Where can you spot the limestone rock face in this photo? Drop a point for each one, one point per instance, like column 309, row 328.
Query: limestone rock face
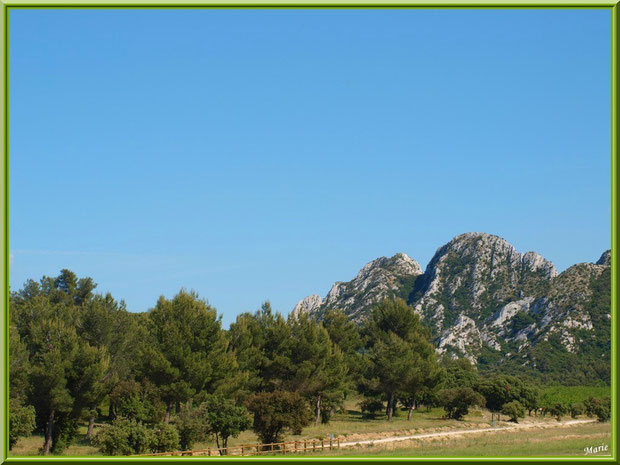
column 308, row 305
column 378, row 280
column 474, row 274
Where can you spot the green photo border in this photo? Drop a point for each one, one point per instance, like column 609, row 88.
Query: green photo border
column 7, row 5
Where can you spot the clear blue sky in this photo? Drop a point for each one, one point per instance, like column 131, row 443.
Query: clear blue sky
column 265, row 154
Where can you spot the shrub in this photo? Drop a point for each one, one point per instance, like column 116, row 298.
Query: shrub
column 276, row 411
column 65, row 431
column 21, row 421
column 514, row 410
column 456, row 402
column 191, row 425
column 125, row 437
column 114, row 439
column 602, row 408
column 166, row 438
column 558, row 410
column 576, row 409
column 598, row 407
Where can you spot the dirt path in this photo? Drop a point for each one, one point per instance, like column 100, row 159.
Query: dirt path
column 467, row 431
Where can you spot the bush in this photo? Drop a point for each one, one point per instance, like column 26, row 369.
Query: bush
column 588, row 406
column 558, row 410
column 21, row 421
column 576, row 409
column 598, row 407
column 602, row 409
column 191, row 425
column 370, row 408
column 114, row 439
column 65, row 431
column 514, row 410
column 456, row 402
column 125, row 437
column 276, row 411
column 166, row 438
column 140, row 438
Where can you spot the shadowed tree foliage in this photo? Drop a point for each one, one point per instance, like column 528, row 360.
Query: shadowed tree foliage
column 21, row 415
column 514, row 410
column 275, row 412
column 457, row 401
column 261, row 342
column 400, row 355
column 346, row 335
column 318, row 368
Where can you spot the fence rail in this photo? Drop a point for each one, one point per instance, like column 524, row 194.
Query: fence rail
column 283, row 448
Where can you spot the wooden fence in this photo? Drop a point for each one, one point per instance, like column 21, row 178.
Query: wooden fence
column 283, row 448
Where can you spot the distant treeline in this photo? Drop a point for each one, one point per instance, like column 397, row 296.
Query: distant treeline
column 172, row 376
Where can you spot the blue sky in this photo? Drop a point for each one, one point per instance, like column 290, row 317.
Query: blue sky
column 265, row 154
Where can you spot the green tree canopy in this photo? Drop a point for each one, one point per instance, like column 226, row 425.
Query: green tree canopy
column 188, row 351
column 275, row 412
column 399, row 352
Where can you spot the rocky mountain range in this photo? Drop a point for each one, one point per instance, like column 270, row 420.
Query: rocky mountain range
column 500, row 308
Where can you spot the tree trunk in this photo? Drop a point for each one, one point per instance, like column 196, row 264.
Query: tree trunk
column 47, row 445
column 317, row 420
column 168, row 412
column 217, row 441
column 411, row 409
column 91, row 425
column 111, row 415
column 390, row 407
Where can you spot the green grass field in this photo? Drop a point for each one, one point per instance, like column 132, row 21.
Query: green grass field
column 572, row 394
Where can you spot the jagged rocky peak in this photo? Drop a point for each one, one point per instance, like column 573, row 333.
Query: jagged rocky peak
column 474, row 274
column 493, row 250
column 381, row 278
column 376, row 281
column 308, row 305
column 605, row 259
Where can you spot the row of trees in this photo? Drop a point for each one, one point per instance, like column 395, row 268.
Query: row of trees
column 172, row 376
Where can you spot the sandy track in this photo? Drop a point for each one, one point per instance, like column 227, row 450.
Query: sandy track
column 466, row 431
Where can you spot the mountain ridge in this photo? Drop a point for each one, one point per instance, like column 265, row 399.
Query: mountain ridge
column 488, row 302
